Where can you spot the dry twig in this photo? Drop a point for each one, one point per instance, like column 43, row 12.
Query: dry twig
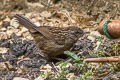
column 104, row 59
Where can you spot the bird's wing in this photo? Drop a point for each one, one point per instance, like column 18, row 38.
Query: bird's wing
column 33, row 28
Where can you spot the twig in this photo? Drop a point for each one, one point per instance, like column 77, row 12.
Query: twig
column 104, row 59
column 55, row 67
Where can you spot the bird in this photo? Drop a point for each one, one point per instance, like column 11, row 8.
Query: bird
column 51, row 40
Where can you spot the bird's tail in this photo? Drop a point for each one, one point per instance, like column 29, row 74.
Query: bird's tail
column 25, row 22
column 32, row 27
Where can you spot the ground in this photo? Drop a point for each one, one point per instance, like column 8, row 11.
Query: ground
column 21, row 59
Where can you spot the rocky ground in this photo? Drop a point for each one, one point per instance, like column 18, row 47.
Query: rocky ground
column 20, row 59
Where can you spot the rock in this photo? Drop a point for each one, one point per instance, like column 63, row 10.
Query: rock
column 9, row 76
column 45, row 14
column 14, row 23
column 19, row 78
column 93, row 35
column 5, row 24
column 91, row 38
column 28, row 15
column 39, row 78
column 7, row 19
column 47, row 66
column 69, row 65
column 97, row 45
column 2, row 66
column 9, row 32
column 23, row 29
column 70, row 75
column 86, row 30
column 19, row 33
column 3, row 50
column 29, row 37
column 3, row 29
column 36, row 5
column 3, row 35
column 37, row 23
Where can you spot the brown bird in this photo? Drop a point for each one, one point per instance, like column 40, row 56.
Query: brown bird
column 52, row 41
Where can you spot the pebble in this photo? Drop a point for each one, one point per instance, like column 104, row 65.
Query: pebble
column 29, row 37
column 39, row 78
column 3, row 35
column 95, row 33
column 3, row 50
column 37, row 23
column 86, row 30
column 98, row 45
column 10, row 32
column 14, row 23
column 70, row 75
column 21, row 31
column 7, row 19
column 3, row 29
column 45, row 14
column 19, row 78
column 69, row 65
column 28, row 15
column 91, row 38
column 5, row 24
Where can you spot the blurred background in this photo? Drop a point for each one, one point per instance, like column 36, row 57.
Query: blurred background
column 97, row 9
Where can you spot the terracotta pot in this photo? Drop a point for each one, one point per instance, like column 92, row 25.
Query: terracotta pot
column 113, row 28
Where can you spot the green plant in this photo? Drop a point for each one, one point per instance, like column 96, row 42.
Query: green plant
column 79, row 64
column 85, row 76
column 115, row 48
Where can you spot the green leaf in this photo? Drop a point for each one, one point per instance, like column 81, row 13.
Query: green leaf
column 73, row 55
column 60, row 62
column 66, row 62
column 77, row 60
